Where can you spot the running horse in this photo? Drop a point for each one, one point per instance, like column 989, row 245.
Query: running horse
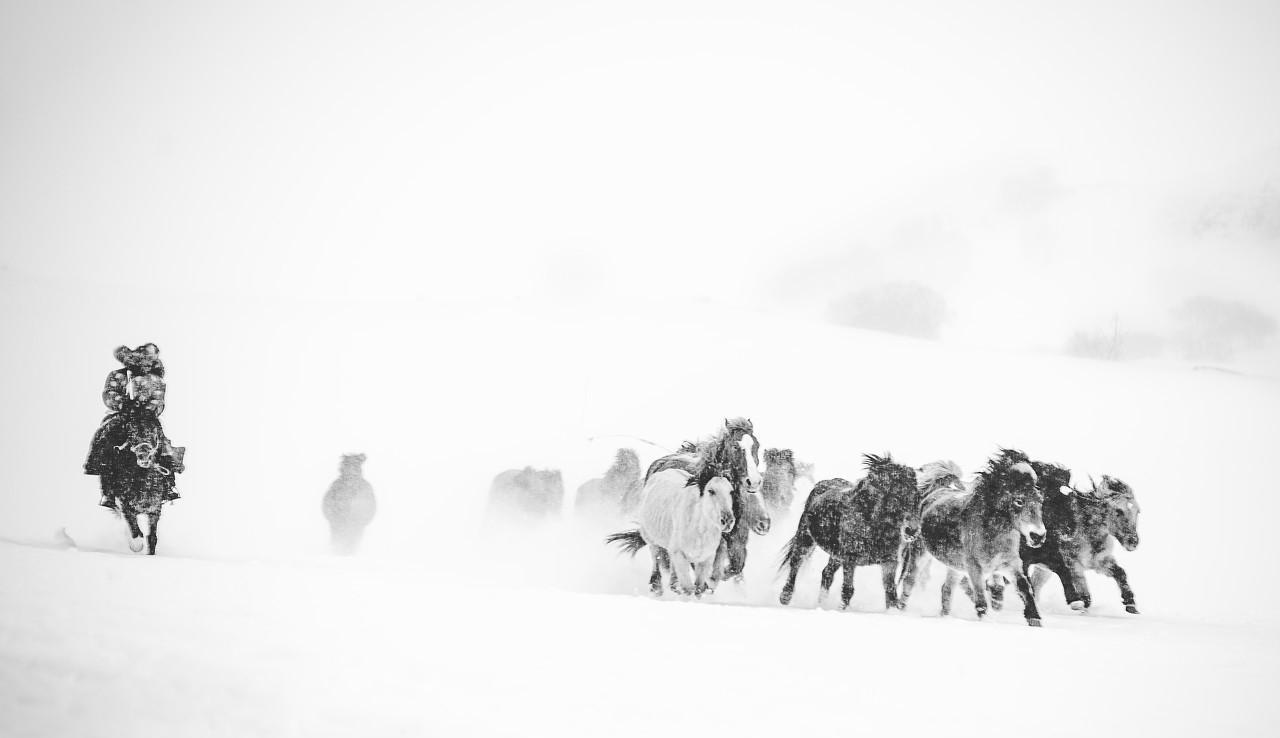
column 139, row 477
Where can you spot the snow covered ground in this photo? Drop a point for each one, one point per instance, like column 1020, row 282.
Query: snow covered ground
column 243, row 625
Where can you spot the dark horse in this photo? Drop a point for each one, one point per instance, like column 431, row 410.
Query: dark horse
column 977, row 533
column 733, row 453
column 860, row 524
column 1061, row 515
column 137, row 476
column 1106, row 512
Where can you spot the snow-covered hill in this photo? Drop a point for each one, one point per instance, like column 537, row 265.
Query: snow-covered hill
column 243, row 625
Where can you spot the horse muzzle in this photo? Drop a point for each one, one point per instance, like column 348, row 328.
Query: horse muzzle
column 762, row 527
column 726, row 522
column 1035, row 539
column 1129, row 542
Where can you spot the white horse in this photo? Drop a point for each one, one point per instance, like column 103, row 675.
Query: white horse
column 686, row 523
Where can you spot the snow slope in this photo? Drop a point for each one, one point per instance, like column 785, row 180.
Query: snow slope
column 244, row 626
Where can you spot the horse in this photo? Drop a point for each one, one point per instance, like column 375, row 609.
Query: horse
column 735, row 448
column 528, row 491
column 138, row 477
column 1059, row 552
column 732, row 453
column 860, row 524
column 977, row 533
column 617, row 491
column 349, row 505
column 1108, row 512
column 934, row 477
column 779, row 485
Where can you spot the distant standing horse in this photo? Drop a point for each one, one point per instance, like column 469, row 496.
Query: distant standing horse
column 349, row 505
column 528, row 491
column 610, row 495
column 736, row 443
column 858, row 525
column 780, row 473
column 978, row 533
column 1107, row 512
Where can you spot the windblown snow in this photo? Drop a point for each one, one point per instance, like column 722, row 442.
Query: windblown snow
column 450, row 623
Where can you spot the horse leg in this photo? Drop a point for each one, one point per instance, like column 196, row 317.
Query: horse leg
column 997, row 592
column 947, row 584
column 977, row 590
column 828, row 576
column 800, row 548
column 912, row 561
column 887, row 571
column 655, row 579
column 1029, row 610
column 1113, row 570
column 135, row 532
column 846, row 588
column 681, row 573
column 1068, row 577
column 153, row 521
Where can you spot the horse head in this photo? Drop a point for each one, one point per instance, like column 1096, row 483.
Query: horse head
column 718, row 491
column 1122, row 510
column 738, row 449
column 1009, row 485
column 899, row 493
column 1061, row 511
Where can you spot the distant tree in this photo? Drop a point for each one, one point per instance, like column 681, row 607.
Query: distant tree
column 1114, row 344
column 1215, row 329
column 904, row 308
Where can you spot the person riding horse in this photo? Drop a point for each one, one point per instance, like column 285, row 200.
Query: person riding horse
column 134, row 393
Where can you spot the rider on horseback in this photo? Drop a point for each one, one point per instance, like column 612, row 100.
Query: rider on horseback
column 136, row 390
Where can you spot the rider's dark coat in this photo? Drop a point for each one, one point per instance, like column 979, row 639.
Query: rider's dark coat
column 137, row 388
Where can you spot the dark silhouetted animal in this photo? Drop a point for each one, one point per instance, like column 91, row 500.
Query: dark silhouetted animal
column 349, row 505
column 977, row 533
column 528, row 491
column 616, row 492
column 861, row 524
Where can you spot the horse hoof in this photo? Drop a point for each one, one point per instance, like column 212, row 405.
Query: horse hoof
column 1077, row 605
column 135, row 544
column 1131, row 609
column 1034, row 622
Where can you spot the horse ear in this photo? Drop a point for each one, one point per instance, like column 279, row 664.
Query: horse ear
column 726, row 422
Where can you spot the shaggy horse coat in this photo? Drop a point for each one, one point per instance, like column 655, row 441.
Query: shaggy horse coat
column 934, row 477
column 684, row 523
column 349, row 505
column 858, row 525
column 731, row 454
column 617, row 492
column 779, row 486
column 977, row 533
column 1107, row 512
column 1059, row 554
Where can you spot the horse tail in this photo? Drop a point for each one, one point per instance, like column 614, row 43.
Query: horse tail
column 795, row 552
column 910, row 554
column 630, row 541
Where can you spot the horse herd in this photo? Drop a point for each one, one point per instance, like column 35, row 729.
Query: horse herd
column 1019, row 521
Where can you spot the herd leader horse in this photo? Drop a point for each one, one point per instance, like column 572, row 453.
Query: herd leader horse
column 731, row 454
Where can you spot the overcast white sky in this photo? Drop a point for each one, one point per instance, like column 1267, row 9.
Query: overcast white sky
column 1043, row 165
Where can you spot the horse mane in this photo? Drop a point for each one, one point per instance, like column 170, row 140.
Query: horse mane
column 712, row 452
column 877, row 464
column 935, row 472
column 996, row 467
column 1110, row 487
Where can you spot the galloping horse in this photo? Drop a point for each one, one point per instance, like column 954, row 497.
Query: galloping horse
column 977, row 534
column 736, row 449
column 857, row 525
column 732, row 454
column 136, row 478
